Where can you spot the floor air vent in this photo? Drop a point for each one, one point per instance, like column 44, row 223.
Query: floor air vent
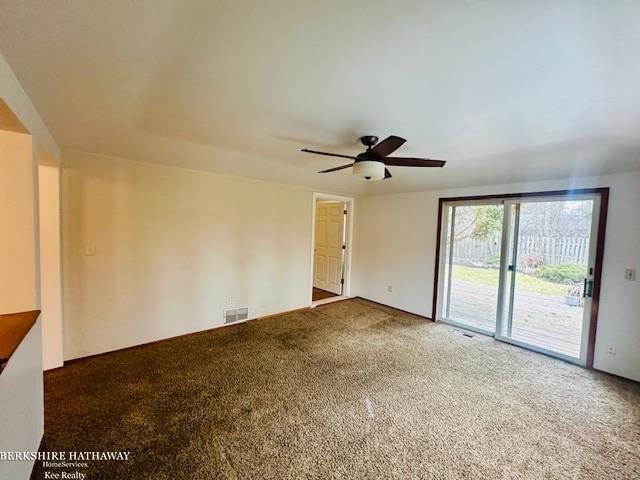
column 236, row 314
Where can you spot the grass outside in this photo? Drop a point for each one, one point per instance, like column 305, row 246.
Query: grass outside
column 525, row 283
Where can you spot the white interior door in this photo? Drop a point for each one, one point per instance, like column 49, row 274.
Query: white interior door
column 328, row 250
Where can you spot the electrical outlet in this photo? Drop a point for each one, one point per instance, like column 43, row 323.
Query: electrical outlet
column 390, row 288
column 231, row 302
column 611, row 350
column 630, row 274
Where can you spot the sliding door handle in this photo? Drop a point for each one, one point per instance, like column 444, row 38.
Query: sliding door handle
column 590, row 288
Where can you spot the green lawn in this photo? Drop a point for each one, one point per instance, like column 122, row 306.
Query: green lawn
column 525, row 283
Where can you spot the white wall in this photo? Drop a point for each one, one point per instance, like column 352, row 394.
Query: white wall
column 396, row 241
column 171, row 247
column 18, row 101
column 50, row 260
column 21, row 400
column 18, row 262
column 21, row 393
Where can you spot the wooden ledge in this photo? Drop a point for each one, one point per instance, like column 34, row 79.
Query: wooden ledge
column 13, row 328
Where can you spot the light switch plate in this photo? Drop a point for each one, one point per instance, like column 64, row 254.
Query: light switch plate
column 630, row 274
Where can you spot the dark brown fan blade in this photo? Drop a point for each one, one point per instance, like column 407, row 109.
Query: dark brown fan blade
column 387, row 146
column 337, row 168
column 387, row 173
column 413, row 162
column 327, row 154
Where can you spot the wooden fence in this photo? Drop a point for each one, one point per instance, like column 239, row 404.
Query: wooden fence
column 534, row 251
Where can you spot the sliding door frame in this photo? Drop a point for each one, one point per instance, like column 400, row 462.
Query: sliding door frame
column 566, row 194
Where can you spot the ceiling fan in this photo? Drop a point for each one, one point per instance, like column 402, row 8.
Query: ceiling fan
column 372, row 163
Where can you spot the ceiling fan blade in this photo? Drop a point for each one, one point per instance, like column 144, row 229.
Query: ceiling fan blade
column 387, row 173
column 337, row 168
column 413, row 162
column 387, row 146
column 328, row 154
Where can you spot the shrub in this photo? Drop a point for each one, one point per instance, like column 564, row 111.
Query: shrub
column 566, row 273
column 492, row 259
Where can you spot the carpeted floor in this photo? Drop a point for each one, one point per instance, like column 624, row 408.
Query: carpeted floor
column 347, row 390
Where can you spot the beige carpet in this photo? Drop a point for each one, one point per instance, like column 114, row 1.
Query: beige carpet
column 347, row 390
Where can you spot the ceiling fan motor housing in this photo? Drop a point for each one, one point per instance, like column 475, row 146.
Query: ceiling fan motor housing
column 369, row 140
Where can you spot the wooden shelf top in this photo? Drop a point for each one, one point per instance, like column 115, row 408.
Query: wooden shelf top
column 13, row 328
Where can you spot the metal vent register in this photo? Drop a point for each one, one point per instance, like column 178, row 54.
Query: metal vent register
column 236, row 314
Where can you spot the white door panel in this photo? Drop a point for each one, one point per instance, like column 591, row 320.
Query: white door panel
column 320, row 268
column 329, row 238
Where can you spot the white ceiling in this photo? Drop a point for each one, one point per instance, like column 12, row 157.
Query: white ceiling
column 504, row 91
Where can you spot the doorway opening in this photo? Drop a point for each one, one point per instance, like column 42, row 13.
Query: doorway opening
column 524, row 268
column 331, row 248
column 20, row 157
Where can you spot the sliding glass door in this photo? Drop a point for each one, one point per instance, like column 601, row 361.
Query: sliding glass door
column 547, row 268
column 521, row 269
column 472, row 255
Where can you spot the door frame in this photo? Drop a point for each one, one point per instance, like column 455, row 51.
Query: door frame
column 333, row 281
column 568, row 194
column 350, row 201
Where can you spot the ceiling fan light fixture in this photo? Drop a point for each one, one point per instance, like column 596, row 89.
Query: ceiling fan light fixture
column 369, row 170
